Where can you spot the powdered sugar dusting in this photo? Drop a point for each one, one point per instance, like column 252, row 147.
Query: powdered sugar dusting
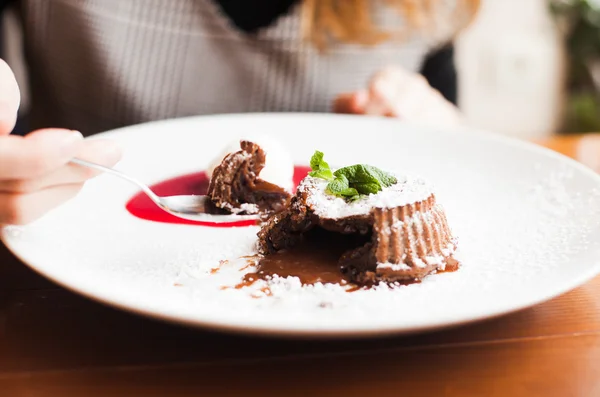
column 246, row 208
column 393, row 266
column 408, row 190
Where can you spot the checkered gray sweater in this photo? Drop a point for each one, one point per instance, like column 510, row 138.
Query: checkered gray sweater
column 95, row 65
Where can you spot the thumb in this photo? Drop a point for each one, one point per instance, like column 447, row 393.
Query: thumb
column 10, row 99
column 39, row 153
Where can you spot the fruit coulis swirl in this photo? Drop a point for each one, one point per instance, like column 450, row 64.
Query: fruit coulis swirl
column 142, row 207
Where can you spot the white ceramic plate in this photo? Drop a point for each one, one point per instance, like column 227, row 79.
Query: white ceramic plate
column 527, row 219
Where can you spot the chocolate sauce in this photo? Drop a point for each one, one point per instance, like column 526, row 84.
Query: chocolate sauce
column 313, row 260
column 309, row 265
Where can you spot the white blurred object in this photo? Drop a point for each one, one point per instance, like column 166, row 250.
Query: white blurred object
column 279, row 165
column 511, row 66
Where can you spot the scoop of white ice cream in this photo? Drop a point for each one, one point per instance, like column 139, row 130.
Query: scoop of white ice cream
column 279, row 166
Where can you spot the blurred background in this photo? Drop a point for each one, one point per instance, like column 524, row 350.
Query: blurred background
column 531, row 68
column 527, row 68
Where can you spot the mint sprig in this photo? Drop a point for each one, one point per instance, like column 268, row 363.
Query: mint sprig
column 340, row 187
column 320, row 169
column 353, row 181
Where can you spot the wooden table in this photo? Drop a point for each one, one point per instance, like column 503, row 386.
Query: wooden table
column 54, row 343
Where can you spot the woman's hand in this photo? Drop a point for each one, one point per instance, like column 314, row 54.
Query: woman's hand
column 34, row 172
column 394, row 92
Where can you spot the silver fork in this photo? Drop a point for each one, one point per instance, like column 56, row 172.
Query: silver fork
column 191, row 207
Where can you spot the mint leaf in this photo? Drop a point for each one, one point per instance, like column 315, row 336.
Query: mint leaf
column 320, row 168
column 361, row 173
column 338, row 185
column 366, row 179
column 360, row 178
column 367, row 188
column 323, row 174
column 357, row 174
column 385, row 179
column 341, row 187
column 316, row 160
column 349, row 193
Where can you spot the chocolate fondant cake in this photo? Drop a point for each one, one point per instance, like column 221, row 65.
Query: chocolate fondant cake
column 406, row 234
column 235, row 184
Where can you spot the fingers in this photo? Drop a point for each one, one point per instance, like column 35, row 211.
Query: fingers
column 397, row 93
column 10, row 98
column 392, row 92
column 102, row 152
column 38, row 153
column 351, row 103
column 21, row 209
column 35, row 174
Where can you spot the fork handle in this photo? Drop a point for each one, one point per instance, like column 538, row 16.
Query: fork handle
column 114, row 172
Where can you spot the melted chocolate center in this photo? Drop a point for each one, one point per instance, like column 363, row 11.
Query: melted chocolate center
column 313, row 260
